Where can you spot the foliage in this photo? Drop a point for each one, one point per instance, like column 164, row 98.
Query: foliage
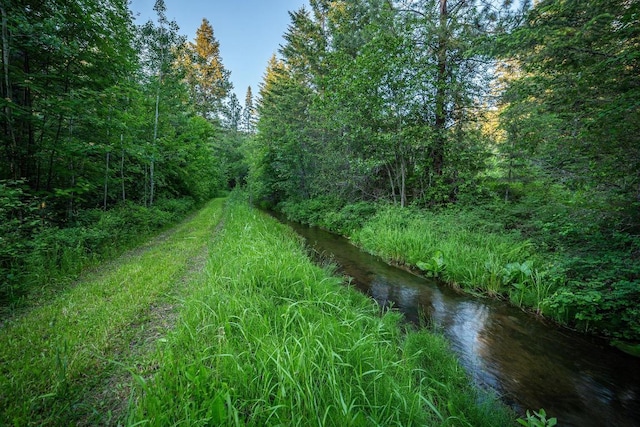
column 207, row 78
column 522, row 123
column 36, row 256
column 282, row 159
column 538, row 419
column 580, row 68
column 434, row 264
column 572, row 122
column 329, row 213
column 96, row 113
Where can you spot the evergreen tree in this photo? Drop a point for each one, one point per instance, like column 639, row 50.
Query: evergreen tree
column 248, row 113
column 206, row 76
column 578, row 94
column 232, row 113
column 280, row 165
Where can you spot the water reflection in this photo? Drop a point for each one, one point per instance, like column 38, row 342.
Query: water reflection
column 531, row 364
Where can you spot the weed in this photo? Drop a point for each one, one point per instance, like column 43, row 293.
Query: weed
column 538, row 419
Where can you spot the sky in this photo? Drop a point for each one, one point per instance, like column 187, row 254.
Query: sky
column 249, row 31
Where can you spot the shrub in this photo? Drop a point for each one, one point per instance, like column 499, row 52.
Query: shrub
column 330, row 213
column 35, row 253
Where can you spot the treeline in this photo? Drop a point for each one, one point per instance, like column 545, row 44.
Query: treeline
column 102, row 115
column 524, row 120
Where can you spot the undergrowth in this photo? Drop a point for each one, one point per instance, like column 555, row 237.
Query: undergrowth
column 39, row 255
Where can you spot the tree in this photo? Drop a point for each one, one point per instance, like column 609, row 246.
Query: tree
column 205, row 74
column 281, row 161
column 232, row 113
column 582, row 73
column 406, row 88
column 248, row 113
column 160, row 45
column 57, row 59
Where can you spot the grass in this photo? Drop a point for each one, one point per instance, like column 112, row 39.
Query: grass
column 57, row 356
column 38, row 259
column 271, row 339
column 460, row 249
column 258, row 336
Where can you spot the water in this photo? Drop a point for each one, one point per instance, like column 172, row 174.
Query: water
column 532, row 364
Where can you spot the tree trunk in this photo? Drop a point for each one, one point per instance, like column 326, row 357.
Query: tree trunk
column 122, row 166
column 7, row 94
column 153, row 149
column 106, row 181
column 441, row 80
column 403, row 179
column 393, row 187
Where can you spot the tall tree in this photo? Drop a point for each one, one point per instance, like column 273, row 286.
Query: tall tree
column 281, row 160
column 206, row 76
column 453, row 80
column 56, row 58
column 248, row 113
column 159, row 45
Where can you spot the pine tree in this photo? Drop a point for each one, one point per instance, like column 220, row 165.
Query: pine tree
column 248, row 114
column 205, row 74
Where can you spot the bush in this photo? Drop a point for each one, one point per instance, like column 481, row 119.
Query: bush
column 19, row 220
column 330, row 213
column 34, row 254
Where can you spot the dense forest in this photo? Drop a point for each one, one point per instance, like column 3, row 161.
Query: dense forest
column 469, row 121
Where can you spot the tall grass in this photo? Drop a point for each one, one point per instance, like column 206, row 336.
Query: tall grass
column 38, row 259
column 458, row 247
column 271, row 339
column 57, row 358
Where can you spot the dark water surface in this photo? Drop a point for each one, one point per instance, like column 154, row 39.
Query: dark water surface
column 530, row 363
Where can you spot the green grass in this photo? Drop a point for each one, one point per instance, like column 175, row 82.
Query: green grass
column 459, row 248
column 271, row 339
column 39, row 259
column 225, row 321
column 56, row 357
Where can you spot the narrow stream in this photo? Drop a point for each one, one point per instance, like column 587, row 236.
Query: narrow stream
column 531, row 364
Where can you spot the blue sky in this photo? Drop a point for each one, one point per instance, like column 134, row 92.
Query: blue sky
column 249, row 31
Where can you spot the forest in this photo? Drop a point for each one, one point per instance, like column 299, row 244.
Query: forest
column 492, row 144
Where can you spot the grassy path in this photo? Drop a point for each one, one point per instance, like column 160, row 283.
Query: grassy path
column 226, row 321
column 58, row 362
